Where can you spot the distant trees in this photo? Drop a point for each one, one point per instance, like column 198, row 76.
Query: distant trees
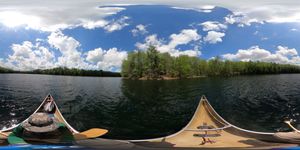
column 66, row 71
column 5, row 70
column 76, row 72
column 151, row 64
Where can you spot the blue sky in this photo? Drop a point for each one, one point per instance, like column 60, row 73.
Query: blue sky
column 99, row 36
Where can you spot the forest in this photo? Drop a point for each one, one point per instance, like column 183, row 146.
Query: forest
column 66, row 71
column 151, row 64
column 5, row 70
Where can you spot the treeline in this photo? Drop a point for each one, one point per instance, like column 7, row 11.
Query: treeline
column 151, row 64
column 76, row 72
column 5, row 70
column 66, row 71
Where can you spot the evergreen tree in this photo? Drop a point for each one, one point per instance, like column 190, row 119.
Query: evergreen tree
column 152, row 64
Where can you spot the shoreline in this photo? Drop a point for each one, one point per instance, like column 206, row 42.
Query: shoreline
column 163, row 78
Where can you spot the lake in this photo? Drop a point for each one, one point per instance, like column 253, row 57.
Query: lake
column 145, row 109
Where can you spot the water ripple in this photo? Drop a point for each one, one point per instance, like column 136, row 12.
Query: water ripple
column 146, row 109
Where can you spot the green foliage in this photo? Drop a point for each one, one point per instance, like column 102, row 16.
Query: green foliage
column 5, row 70
column 151, row 64
column 76, row 72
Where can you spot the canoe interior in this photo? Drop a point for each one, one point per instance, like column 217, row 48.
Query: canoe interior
column 218, row 134
column 57, row 115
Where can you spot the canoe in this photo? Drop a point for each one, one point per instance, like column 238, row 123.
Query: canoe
column 207, row 129
column 76, row 135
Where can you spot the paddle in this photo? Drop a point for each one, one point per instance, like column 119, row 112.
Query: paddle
column 89, row 134
column 291, row 126
column 3, row 134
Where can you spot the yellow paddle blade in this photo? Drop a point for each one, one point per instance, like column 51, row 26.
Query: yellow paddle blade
column 3, row 135
column 89, row 134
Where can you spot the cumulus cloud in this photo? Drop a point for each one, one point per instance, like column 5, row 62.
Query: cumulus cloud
column 240, row 19
column 68, row 47
column 282, row 55
column 27, row 56
column 186, row 36
column 108, row 25
column 106, row 59
column 30, row 56
column 117, row 24
column 91, row 14
column 213, row 25
column 58, row 15
column 213, row 37
column 89, row 24
column 139, row 29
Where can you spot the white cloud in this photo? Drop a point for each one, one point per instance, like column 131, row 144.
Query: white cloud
column 276, row 11
column 149, row 40
column 185, row 37
column 139, row 29
column 13, row 19
column 214, row 37
column 213, row 25
column 89, row 24
column 106, row 59
column 70, row 55
column 294, row 29
column 255, row 53
column 240, row 19
column 109, row 26
column 95, row 55
column 285, row 51
column 204, row 8
column 27, row 56
column 117, row 24
column 57, row 14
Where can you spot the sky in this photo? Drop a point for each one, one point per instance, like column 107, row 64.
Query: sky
column 88, row 34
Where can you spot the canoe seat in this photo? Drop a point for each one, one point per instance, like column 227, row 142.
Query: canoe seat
column 207, row 135
column 211, row 129
column 207, row 132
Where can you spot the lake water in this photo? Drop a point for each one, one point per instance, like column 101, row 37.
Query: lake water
column 146, row 109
